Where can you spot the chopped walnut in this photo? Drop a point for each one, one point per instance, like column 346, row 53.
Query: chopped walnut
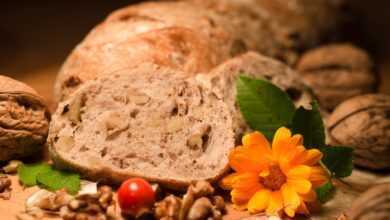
column 168, row 208
column 89, row 205
column 197, row 204
column 5, row 187
column 12, row 166
column 99, row 206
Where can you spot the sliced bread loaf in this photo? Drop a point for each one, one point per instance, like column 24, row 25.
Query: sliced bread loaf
column 148, row 121
column 155, row 122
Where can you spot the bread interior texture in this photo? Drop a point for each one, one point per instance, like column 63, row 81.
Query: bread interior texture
column 152, row 123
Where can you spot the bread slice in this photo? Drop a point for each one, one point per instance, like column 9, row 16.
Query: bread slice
column 149, row 121
column 222, row 81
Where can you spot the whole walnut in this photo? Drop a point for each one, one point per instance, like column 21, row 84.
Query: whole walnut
column 24, row 120
column 364, row 123
column 374, row 204
column 337, row 72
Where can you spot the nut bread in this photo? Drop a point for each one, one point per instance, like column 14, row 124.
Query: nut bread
column 24, row 120
column 162, row 126
column 195, row 36
column 157, row 123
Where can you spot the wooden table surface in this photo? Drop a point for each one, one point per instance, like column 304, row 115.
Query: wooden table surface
column 36, row 36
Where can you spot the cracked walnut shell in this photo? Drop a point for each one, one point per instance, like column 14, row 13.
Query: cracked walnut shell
column 337, row 72
column 24, row 120
column 363, row 122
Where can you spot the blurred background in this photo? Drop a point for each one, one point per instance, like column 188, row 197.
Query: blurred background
column 36, row 36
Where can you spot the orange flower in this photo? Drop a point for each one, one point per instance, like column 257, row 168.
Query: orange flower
column 281, row 178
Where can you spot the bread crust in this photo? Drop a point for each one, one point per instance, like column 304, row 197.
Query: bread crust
column 219, row 30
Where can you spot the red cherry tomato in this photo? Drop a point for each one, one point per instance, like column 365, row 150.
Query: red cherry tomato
column 135, row 195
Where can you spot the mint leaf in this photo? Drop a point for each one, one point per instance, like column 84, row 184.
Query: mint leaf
column 338, row 160
column 28, row 172
column 264, row 106
column 46, row 176
column 58, row 179
column 325, row 192
column 309, row 124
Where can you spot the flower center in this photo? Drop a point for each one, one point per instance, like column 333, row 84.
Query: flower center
column 275, row 178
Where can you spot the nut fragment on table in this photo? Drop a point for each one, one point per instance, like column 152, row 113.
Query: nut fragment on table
column 98, row 205
column 12, row 166
column 5, row 187
column 91, row 206
column 363, row 122
column 337, row 72
column 199, row 203
column 374, row 204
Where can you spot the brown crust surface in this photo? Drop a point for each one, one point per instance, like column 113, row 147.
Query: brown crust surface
column 219, row 30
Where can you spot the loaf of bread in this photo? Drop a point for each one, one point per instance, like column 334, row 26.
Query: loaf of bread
column 157, row 123
column 24, row 120
column 195, row 36
column 151, row 91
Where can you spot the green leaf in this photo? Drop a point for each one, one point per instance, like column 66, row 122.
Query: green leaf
column 264, row 106
column 28, row 172
column 58, row 179
column 338, row 160
column 325, row 192
column 309, row 124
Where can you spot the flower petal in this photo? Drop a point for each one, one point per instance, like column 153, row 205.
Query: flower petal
column 244, row 185
column 308, row 157
column 299, row 172
column 318, row 176
column 246, row 181
column 227, row 182
column 296, row 140
column 258, row 142
column 243, row 159
column 291, row 200
column 281, row 134
column 275, row 203
column 259, row 202
column 241, row 197
column 281, row 138
column 300, row 186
